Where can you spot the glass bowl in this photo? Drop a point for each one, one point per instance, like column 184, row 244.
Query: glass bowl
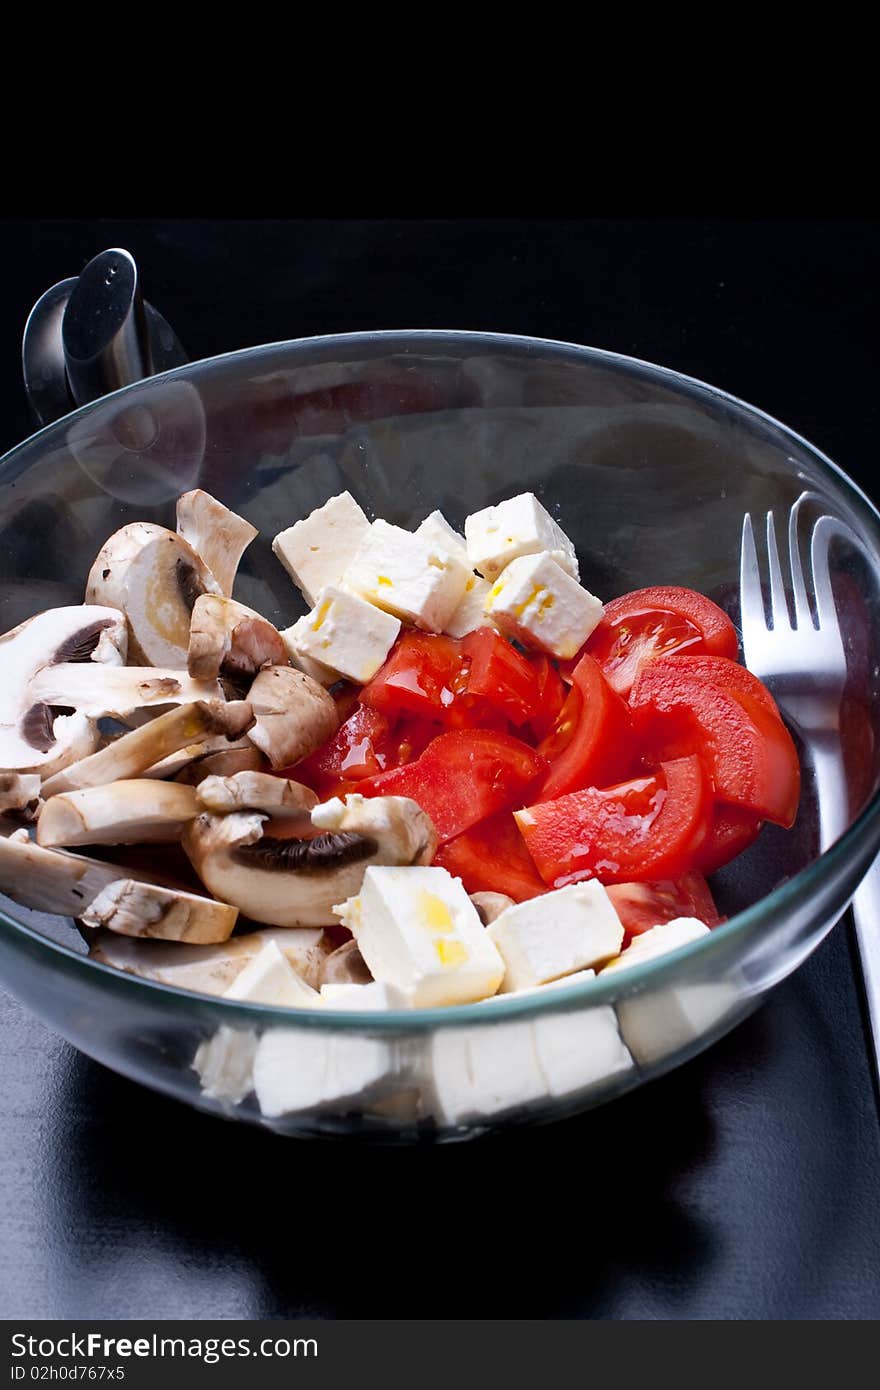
column 650, row 473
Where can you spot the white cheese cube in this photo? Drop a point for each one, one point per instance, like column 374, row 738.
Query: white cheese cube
column 418, row 930
column 666, row 936
column 436, row 530
column 407, row 575
column 473, row 1073
column 373, row 996
column 304, row 1069
column 579, row 1048
column 471, row 612
column 316, row 550
column 316, row 669
column 224, row 1064
column 556, row 934
column 657, row 1024
column 574, row 978
column 517, row 526
column 345, row 633
column 269, row 978
column 535, row 601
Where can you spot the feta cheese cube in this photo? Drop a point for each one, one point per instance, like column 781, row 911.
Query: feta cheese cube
column 666, row 936
column 304, row 1069
column 345, row 633
column 316, row 550
column 556, row 934
column 517, row 526
column 373, row 996
column 436, row 530
column 418, row 930
column 471, row 611
column 269, row 978
column 224, row 1064
column 574, row 978
column 579, row 1048
column 408, row 576
column 535, row 601
column 324, row 675
column 473, row 1073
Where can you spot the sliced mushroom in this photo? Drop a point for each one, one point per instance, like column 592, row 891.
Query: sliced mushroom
column 118, row 691
column 293, row 715
column 226, row 762
column 229, row 641
column 143, row 909
column 256, row 791
column 210, row 969
column 345, row 966
column 218, row 535
column 121, row 813
column 136, row 752
column 19, row 792
column 289, row 881
column 42, row 732
column 154, row 577
column 50, row 880
column 490, row 905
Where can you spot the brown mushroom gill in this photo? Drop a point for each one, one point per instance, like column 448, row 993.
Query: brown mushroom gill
column 37, row 725
column 81, row 645
column 315, row 854
column 188, row 583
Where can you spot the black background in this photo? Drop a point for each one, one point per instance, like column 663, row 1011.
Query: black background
column 745, row 1184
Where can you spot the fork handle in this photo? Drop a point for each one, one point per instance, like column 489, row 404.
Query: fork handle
column 832, row 793
column 866, row 914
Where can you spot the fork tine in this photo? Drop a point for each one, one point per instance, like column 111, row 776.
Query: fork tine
column 803, row 616
column 778, row 603
column 823, row 531
column 751, row 599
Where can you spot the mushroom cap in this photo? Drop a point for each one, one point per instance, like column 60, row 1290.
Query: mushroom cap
column 293, row 715
column 218, row 535
column 255, row 791
column 491, row 905
column 154, row 577
column 229, row 641
column 132, row 811
column 209, row 969
column 345, row 966
column 119, row 691
column 39, row 731
column 292, row 881
column 19, row 791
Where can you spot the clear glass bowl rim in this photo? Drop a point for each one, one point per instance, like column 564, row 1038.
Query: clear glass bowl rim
column 860, row 839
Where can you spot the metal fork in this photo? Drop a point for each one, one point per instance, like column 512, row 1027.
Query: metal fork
column 803, row 661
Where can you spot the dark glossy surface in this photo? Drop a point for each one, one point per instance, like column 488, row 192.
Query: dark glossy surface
column 743, row 1185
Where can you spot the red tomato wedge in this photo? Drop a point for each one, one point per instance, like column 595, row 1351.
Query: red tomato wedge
column 732, row 830
column 721, row 671
column 552, row 693
column 423, row 675
column 492, row 858
column 646, row 829
column 591, row 743
column 462, row 777
column 747, row 749
column 352, row 752
column 499, row 674
column 641, row 906
column 649, row 623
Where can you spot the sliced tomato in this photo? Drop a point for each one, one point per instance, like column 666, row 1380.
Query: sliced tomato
column 591, row 743
column 423, row 675
column 641, row 906
column 645, row 829
column 730, row 832
column 552, row 694
column 492, row 858
column 720, row 670
column 352, row 753
column 648, row 623
column 499, row 674
column 462, row 777
column 747, row 749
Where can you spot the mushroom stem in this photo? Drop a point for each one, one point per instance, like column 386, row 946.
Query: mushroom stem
column 218, row 535
column 51, row 880
column 128, row 812
column 135, row 752
column 146, row 910
column 229, row 641
column 118, row 690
